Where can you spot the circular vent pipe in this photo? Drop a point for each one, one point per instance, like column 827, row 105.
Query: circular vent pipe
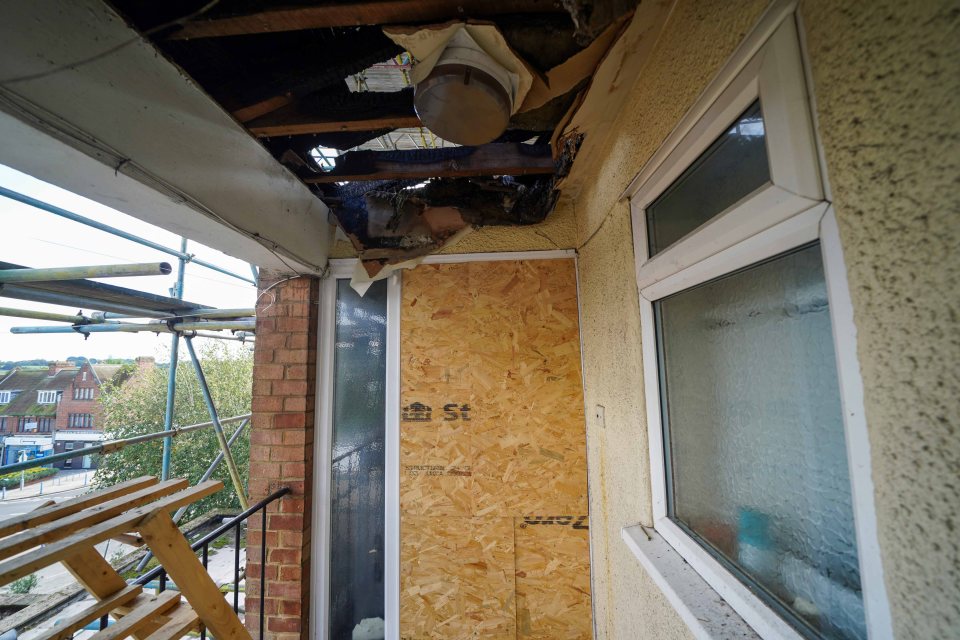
column 467, row 98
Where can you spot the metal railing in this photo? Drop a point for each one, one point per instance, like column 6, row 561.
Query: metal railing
column 203, row 545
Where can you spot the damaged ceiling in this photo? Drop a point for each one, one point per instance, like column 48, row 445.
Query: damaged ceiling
column 329, row 90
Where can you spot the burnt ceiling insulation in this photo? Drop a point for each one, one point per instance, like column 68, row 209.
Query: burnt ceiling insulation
column 335, row 93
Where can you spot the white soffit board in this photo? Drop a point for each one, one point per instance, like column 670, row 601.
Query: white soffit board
column 88, row 105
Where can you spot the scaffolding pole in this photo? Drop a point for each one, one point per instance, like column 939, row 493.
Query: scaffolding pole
column 113, row 445
column 198, row 313
column 63, row 213
column 239, row 336
column 70, row 300
column 177, row 293
column 91, row 271
column 212, row 409
column 206, row 476
column 149, row 327
column 46, row 315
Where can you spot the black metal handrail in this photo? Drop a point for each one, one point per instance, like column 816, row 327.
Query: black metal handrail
column 204, row 543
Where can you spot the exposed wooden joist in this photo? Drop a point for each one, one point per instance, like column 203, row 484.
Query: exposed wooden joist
column 332, row 126
column 349, row 14
column 502, row 159
column 262, row 108
column 369, row 111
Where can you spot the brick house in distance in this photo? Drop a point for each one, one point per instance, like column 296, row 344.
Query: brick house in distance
column 43, row 412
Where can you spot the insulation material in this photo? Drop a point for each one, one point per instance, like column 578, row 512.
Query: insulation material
column 567, row 75
column 492, row 450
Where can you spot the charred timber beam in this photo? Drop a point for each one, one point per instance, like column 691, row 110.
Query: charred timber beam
column 349, row 14
column 498, row 159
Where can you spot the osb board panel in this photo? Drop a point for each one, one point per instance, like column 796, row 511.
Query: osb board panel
column 457, row 578
column 492, row 349
column 553, row 578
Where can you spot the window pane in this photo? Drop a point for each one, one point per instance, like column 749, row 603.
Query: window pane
column 734, row 166
column 357, row 505
column 753, row 421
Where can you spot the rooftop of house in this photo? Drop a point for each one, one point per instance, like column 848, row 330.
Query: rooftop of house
column 28, row 382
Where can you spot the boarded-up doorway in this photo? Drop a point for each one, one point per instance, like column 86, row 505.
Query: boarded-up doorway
column 493, row 488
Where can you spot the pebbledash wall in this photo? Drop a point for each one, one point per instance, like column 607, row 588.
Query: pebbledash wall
column 885, row 84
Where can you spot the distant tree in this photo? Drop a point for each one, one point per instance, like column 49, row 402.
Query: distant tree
column 137, row 407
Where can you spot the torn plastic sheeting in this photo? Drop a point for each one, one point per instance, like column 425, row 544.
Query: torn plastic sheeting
column 361, row 280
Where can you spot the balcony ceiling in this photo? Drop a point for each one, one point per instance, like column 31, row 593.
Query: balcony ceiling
column 248, row 121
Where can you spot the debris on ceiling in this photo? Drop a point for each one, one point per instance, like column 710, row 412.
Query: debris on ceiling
column 413, row 120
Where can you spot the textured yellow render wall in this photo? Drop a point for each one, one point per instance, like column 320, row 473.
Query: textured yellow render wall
column 886, row 85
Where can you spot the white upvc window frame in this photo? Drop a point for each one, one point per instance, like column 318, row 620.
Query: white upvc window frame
column 790, row 211
column 44, row 397
column 323, row 441
column 6, row 397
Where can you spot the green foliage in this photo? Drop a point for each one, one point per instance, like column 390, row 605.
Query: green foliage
column 9, row 480
column 137, row 407
column 24, row 584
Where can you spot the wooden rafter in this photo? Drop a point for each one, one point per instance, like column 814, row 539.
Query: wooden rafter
column 500, row 159
column 311, row 126
column 349, row 14
column 262, row 108
column 350, row 112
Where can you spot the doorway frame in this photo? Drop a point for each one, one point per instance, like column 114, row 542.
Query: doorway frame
column 322, row 448
column 339, row 269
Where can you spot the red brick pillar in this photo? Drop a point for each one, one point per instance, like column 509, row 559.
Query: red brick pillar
column 281, row 454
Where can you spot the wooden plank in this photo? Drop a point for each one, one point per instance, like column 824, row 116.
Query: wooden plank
column 29, row 562
column 99, row 578
column 306, row 126
column 66, row 628
column 61, row 528
column 94, row 572
column 350, row 14
column 182, row 621
column 130, row 539
column 69, row 507
column 498, row 159
column 262, row 108
column 174, row 553
column 145, row 614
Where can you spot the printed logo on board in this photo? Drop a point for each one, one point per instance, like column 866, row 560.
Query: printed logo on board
column 577, row 522
column 454, row 411
column 416, row 412
column 419, row 412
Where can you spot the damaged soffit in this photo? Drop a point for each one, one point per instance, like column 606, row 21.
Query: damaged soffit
column 329, row 91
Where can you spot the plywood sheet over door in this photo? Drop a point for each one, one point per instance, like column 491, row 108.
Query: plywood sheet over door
column 493, row 487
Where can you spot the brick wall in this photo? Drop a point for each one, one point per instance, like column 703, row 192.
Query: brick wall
column 68, row 405
column 281, row 453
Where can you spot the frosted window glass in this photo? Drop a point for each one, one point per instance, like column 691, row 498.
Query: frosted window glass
column 757, row 465
column 732, row 167
column 357, row 505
